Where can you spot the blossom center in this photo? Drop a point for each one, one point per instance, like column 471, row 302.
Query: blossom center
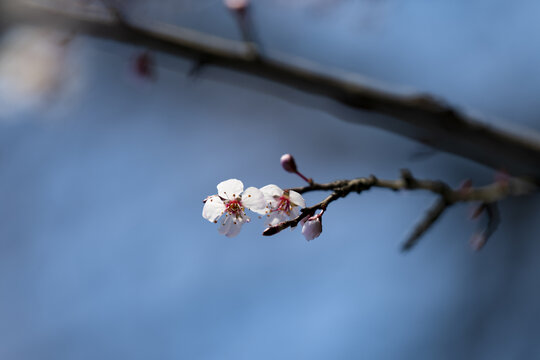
column 284, row 205
column 234, row 207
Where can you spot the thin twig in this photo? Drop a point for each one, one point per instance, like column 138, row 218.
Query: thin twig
column 431, row 216
column 488, row 195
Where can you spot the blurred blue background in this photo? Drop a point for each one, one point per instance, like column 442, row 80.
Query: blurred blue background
column 104, row 253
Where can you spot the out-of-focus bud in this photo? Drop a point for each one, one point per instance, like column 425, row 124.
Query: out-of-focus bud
column 465, row 187
column 477, row 211
column 478, row 241
column 144, row 65
column 239, row 6
column 288, row 163
column 312, row 228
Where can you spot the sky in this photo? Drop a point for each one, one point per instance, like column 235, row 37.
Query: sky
column 104, row 252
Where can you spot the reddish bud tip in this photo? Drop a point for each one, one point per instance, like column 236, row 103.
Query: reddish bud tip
column 466, row 186
column 502, row 177
column 478, row 241
column 144, row 65
column 288, row 164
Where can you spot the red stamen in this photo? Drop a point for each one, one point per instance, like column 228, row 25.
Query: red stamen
column 284, row 205
column 234, row 207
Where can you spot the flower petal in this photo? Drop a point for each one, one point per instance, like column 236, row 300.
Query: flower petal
column 230, row 226
column 271, row 190
column 275, row 218
column 230, row 189
column 297, row 199
column 271, row 195
column 213, row 208
column 295, row 211
column 253, row 199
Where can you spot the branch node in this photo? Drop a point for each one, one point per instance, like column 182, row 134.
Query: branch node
column 407, row 178
column 197, row 67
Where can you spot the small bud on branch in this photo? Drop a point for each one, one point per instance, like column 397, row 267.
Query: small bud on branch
column 289, row 165
column 312, row 227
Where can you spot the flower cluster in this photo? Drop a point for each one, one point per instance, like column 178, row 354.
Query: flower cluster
column 270, row 201
column 287, row 208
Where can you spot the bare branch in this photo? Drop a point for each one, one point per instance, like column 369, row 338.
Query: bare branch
column 488, row 195
column 115, row 12
column 419, row 117
column 431, row 216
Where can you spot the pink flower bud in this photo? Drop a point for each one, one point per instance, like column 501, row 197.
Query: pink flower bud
column 465, row 186
column 312, row 228
column 287, row 161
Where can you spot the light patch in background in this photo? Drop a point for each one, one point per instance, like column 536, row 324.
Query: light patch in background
column 37, row 71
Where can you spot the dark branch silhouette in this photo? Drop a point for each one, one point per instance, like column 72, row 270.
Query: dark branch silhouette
column 421, row 117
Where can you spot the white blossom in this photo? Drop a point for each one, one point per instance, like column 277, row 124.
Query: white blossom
column 232, row 201
column 281, row 205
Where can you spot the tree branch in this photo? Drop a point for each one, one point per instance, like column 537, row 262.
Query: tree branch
column 488, row 195
column 432, row 215
column 420, row 117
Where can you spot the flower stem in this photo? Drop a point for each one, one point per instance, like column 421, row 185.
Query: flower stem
column 309, row 181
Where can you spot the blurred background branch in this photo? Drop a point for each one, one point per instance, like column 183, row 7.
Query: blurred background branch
column 420, row 117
